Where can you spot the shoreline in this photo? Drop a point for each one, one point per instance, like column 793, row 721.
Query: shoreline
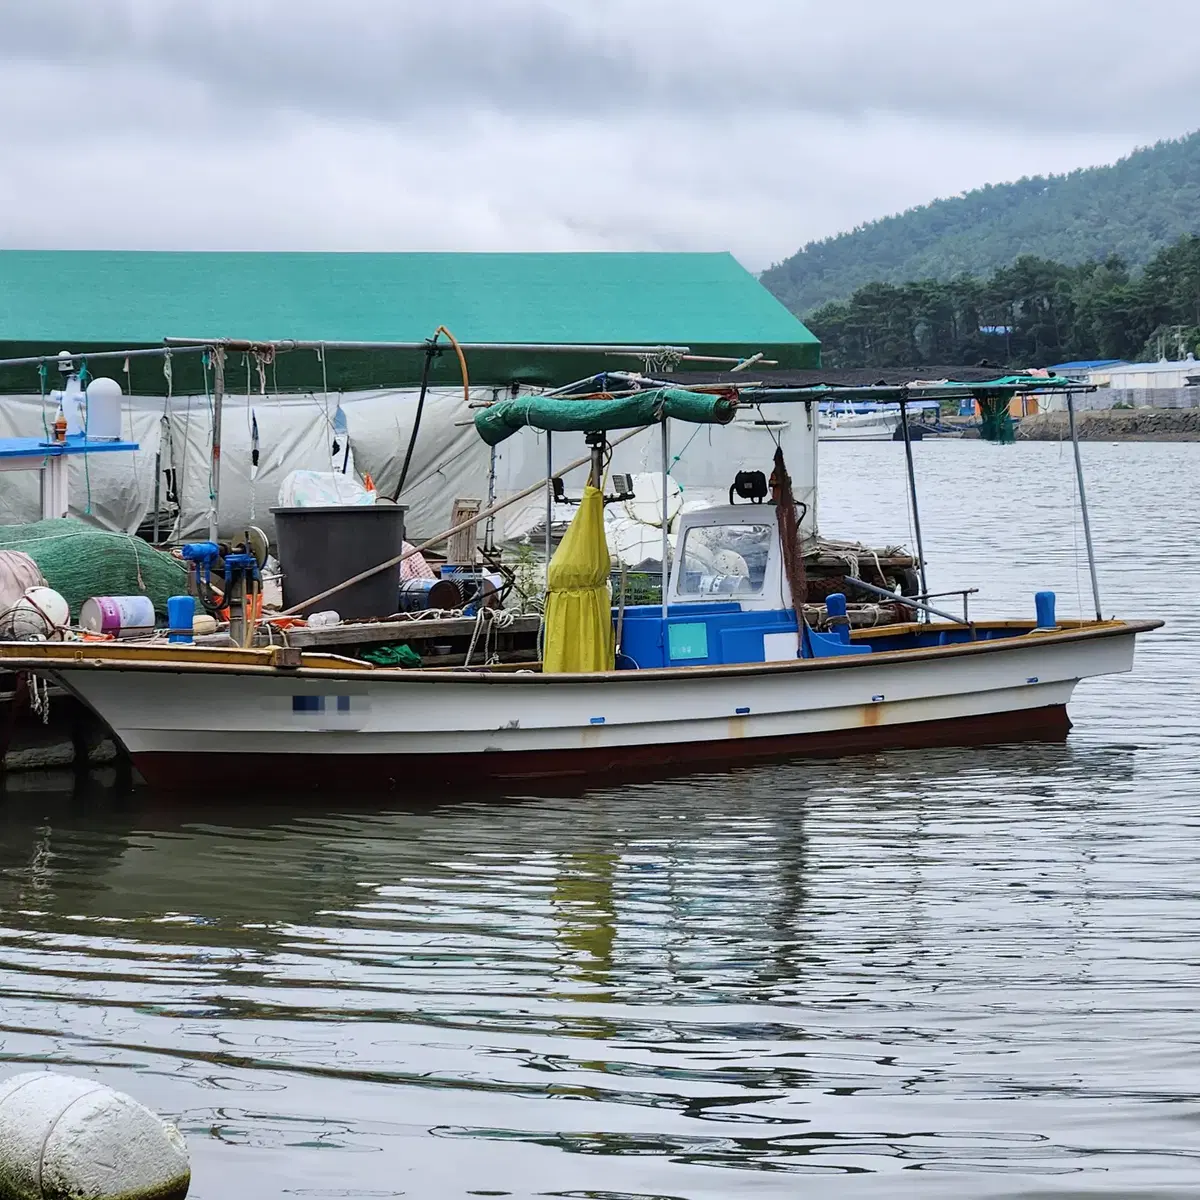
column 1115, row 425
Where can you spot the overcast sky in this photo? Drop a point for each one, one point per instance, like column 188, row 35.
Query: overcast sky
column 744, row 125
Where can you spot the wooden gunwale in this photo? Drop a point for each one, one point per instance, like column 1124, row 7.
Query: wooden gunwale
column 52, row 658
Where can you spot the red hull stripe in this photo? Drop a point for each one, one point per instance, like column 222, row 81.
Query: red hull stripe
column 388, row 772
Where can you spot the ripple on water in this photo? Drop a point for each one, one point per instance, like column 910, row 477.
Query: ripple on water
column 950, row 973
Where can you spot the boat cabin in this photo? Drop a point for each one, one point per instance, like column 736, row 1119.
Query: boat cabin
column 728, row 602
column 728, row 599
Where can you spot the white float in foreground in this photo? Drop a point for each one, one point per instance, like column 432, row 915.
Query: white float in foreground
column 62, row 1136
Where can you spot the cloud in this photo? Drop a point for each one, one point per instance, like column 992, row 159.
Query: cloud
column 547, row 124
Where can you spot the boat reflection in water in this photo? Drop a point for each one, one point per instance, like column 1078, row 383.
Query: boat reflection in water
column 699, row 962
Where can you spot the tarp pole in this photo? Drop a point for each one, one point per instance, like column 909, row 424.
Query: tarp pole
column 489, row 530
column 549, row 500
column 143, row 352
column 1083, row 508
column 214, row 510
column 157, row 485
column 912, row 492
column 666, row 541
column 286, row 344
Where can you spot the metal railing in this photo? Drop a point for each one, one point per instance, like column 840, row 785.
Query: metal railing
column 913, row 602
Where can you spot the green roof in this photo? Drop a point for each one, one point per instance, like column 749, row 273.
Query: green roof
column 100, row 299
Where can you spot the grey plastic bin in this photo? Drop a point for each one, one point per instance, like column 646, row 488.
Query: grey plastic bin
column 321, row 547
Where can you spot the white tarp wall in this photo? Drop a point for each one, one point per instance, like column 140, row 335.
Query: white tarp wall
column 294, row 432
column 450, row 460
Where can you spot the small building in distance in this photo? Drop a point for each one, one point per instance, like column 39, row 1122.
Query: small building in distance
column 1119, row 384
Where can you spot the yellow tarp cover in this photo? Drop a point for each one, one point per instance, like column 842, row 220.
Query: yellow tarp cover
column 579, row 629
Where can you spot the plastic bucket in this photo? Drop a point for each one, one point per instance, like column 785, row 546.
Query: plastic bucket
column 322, row 547
column 118, row 616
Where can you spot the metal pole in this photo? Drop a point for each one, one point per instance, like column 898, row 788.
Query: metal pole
column 912, row 492
column 214, row 510
column 157, row 488
column 284, row 345
column 549, row 498
column 596, row 477
column 489, row 530
column 666, row 540
column 1083, row 508
column 907, row 601
column 52, row 359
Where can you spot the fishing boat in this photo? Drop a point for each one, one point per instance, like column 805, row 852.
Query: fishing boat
column 871, row 421
column 727, row 668
column 858, row 423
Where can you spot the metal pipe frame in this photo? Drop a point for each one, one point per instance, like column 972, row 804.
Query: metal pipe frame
column 907, row 601
column 1083, row 507
column 154, row 352
column 912, row 492
column 285, row 345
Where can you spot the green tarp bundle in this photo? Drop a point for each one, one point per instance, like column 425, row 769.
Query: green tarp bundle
column 392, row 656
column 564, row 415
column 80, row 561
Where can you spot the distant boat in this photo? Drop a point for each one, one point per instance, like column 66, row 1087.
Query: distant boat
column 877, row 425
column 870, row 421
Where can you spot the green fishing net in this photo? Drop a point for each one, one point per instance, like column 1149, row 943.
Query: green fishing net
column 81, row 561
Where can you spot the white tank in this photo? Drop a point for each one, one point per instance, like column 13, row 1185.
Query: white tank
column 103, row 410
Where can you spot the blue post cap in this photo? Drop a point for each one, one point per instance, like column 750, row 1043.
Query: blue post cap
column 835, row 608
column 1044, row 604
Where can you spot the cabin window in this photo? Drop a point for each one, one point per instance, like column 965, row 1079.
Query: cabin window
column 725, row 560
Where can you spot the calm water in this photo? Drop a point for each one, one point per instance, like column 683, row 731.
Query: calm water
column 928, row 974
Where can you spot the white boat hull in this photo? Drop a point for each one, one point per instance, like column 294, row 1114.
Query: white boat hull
column 190, row 726
column 858, row 427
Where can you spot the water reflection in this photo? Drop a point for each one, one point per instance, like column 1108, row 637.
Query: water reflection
column 744, row 950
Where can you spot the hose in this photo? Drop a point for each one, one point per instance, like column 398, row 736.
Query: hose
column 430, row 354
column 462, row 361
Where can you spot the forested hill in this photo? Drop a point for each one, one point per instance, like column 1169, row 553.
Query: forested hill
column 1131, row 209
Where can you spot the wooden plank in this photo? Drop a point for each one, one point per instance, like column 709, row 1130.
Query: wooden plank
column 867, row 559
column 377, row 632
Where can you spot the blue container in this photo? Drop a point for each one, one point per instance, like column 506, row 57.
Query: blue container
column 700, row 633
column 1044, row 603
column 181, row 612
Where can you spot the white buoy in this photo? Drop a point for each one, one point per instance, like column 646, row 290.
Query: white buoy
column 41, row 614
column 62, row 1136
